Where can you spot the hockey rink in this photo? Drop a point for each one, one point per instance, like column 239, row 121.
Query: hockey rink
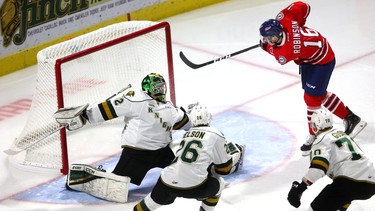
column 254, row 101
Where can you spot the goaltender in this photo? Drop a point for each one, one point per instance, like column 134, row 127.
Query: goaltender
column 146, row 138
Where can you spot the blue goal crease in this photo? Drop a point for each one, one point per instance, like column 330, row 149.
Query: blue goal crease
column 267, row 144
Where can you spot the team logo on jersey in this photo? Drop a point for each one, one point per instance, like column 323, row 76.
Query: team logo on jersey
column 282, row 60
column 130, row 93
column 280, row 16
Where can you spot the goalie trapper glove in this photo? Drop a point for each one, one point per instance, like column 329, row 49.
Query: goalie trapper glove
column 295, row 193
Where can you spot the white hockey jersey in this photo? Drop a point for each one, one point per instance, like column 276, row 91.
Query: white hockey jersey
column 199, row 148
column 335, row 154
column 148, row 122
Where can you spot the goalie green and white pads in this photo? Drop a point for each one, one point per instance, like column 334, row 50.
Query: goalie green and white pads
column 98, row 183
column 71, row 117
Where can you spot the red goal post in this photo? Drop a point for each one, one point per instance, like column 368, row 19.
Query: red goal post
column 88, row 69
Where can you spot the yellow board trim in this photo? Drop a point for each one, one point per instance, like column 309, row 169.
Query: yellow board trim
column 27, row 57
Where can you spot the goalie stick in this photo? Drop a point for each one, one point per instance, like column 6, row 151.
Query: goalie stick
column 54, row 128
column 68, row 115
column 196, row 66
column 40, row 138
column 127, row 87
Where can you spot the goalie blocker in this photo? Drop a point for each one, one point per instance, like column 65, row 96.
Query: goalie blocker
column 72, row 118
column 97, row 182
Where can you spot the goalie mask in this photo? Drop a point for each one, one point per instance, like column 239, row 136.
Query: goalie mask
column 200, row 116
column 155, row 86
column 321, row 119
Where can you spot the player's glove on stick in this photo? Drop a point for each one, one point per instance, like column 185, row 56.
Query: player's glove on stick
column 263, row 45
column 295, row 193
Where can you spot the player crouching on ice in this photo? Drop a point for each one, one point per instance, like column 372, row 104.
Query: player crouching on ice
column 146, row 138
column 204, row 156
column 337, row 155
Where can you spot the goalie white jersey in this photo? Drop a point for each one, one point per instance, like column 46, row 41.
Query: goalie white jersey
column 143, row 115
column 335, row 154
column 199, row 148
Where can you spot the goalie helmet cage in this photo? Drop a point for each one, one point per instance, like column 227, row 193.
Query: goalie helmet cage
column 88, row 69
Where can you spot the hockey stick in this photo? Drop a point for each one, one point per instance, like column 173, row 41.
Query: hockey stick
column 196, row 66
column 53, row 128
column 127, row 87
column 41, row 138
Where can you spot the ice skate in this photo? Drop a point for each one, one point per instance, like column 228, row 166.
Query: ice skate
column 353, row 124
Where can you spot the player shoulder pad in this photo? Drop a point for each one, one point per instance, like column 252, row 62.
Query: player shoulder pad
column 136, row 96
column 213, row 130
column 280, row 16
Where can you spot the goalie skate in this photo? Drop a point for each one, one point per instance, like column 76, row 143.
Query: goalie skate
column 98, row 183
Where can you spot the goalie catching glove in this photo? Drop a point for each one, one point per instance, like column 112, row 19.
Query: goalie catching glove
column 72, row 118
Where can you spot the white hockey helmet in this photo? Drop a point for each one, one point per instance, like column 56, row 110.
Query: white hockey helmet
column 200, row 116
column 321, row 119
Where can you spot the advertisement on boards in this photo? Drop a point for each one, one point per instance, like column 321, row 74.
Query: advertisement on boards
column 27, row 23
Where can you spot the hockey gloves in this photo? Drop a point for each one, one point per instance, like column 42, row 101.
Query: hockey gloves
column 263, row 45
column 295, row 193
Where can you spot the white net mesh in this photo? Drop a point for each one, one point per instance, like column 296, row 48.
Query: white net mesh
column 102, row 68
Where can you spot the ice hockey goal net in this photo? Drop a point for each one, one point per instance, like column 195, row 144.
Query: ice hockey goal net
column 88, row 69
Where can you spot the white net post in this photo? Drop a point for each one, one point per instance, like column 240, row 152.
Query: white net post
column 88, row 69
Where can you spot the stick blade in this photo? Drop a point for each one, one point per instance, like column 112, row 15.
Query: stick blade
column 188, row 62
column 11, row 152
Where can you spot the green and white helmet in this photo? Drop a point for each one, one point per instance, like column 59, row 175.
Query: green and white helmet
column 154, row 85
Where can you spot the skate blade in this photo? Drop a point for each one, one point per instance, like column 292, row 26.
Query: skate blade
column 358, row 128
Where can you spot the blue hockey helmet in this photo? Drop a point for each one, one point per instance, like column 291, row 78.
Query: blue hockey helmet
column 271, row 28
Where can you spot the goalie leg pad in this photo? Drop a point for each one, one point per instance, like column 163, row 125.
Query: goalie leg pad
column 98, row 183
